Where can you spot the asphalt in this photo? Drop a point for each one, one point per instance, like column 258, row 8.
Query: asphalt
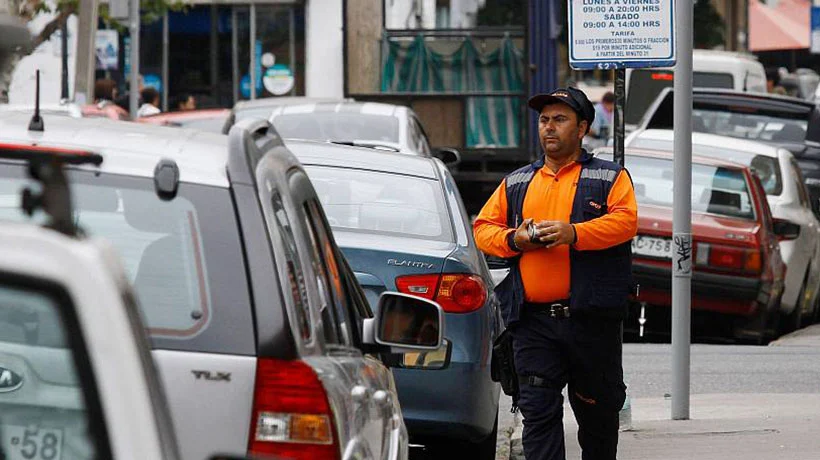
column 721, row 426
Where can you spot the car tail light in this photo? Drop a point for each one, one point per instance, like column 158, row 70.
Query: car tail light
column 291, row 414
column 456, row 293
column 728, row 257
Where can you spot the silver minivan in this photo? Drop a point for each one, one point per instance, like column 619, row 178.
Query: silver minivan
column 263, row 339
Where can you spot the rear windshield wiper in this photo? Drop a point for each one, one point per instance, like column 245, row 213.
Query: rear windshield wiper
column 368, row 144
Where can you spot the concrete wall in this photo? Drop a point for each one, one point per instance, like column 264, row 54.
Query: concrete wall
column 324, row 50
column 364, row 32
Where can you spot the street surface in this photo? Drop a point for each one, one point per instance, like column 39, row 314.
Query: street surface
column 746, row 402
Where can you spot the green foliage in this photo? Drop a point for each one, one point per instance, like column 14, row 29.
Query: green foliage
column 709, row 25
column 150, row 11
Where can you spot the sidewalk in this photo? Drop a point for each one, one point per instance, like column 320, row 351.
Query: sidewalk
column 722, row 427
column 737, row 426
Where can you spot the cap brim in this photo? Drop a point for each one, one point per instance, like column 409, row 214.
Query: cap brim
column 538, row 101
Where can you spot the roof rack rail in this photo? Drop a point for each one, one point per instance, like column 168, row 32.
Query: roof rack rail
column 45, row 165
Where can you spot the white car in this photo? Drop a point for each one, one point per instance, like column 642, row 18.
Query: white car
column 788, row 198
column 366, row 124
column 76, row 378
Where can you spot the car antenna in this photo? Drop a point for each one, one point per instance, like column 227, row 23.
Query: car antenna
column 36, row 123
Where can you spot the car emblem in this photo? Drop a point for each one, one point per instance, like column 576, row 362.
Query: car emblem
column 655, row 225
column 409, row 263
column 9, row 380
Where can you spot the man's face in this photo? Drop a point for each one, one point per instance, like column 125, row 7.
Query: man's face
column 559, row 130
column 609, row 106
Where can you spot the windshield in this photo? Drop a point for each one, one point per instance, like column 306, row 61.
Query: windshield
column 765, row 167
column 645, row 85
column 182, row 256
column 382, row 203
column 337, row 126
column 751, row 124
column 715, row 189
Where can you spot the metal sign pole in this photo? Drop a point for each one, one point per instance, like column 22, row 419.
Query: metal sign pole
column 620, row 97
column 133, row 92
column 682, row 213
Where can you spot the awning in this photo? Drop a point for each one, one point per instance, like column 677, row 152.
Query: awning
column 781, row 25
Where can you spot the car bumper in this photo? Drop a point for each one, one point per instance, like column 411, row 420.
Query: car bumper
column 730, row 294
column 458, row 402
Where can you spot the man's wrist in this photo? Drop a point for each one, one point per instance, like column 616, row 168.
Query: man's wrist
column 511, row 242
column 574, row 234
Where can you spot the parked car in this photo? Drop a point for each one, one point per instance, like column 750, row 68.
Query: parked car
column 787, row 122
column 710, row 69
column 257, row 325
column 788, row 199
column 76, row 378
column 263, row 107
column 738, row 273
column 209, row 120
column 368, row 124
column 400, row 221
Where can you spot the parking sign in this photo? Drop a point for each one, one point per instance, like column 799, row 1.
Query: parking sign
column 611, row 34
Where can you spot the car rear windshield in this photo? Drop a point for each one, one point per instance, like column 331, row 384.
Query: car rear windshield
column 183, row 256
column 337, row 126
column 715, row 189
column 645, row 85
column 765, row 167
column 748, row 123
column 382, row 203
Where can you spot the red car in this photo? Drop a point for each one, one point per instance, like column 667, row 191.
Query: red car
column 738, row 274
column 210, row 120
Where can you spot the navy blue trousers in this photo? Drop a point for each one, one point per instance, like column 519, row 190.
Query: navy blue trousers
column 586, row 355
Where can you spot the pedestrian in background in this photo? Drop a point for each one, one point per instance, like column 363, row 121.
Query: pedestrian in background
column 184, row 101
column 601, row 127
column 105, row 92
column 566, row 223
column 773, row 85
column 150, row 105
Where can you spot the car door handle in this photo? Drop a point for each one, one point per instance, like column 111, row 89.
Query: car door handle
column 360, row 393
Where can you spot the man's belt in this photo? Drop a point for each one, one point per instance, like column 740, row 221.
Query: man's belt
column 557, row 309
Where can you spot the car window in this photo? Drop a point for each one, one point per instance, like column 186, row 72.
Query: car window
column 329, row 274
column 337, row 126
column 48, row 404
column 715, row 189
column 382, row 203
column 183, row 256
column 295, row 275
column 765, row 167
column 645, row 85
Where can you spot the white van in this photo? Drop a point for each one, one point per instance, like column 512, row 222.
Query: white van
column 710, row 69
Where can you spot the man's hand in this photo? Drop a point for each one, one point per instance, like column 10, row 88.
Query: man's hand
column 553, row 233
column 522, row 237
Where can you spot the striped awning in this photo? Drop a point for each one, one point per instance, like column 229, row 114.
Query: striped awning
column 779, row 25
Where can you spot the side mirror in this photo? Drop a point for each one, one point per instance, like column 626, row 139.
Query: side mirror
column 786, row 230
column 448, row 156
column 405, row 323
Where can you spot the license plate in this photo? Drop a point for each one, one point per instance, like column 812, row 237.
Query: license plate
column 31, row 442
column 652, row 247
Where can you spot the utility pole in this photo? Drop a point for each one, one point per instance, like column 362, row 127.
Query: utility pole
column 86, row 51
column 134, row 26
column 682, row 213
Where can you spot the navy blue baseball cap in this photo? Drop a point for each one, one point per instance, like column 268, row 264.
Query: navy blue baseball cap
column 573, row 97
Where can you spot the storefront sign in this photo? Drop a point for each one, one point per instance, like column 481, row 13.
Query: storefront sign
column 278, row 80
column 107, row 50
